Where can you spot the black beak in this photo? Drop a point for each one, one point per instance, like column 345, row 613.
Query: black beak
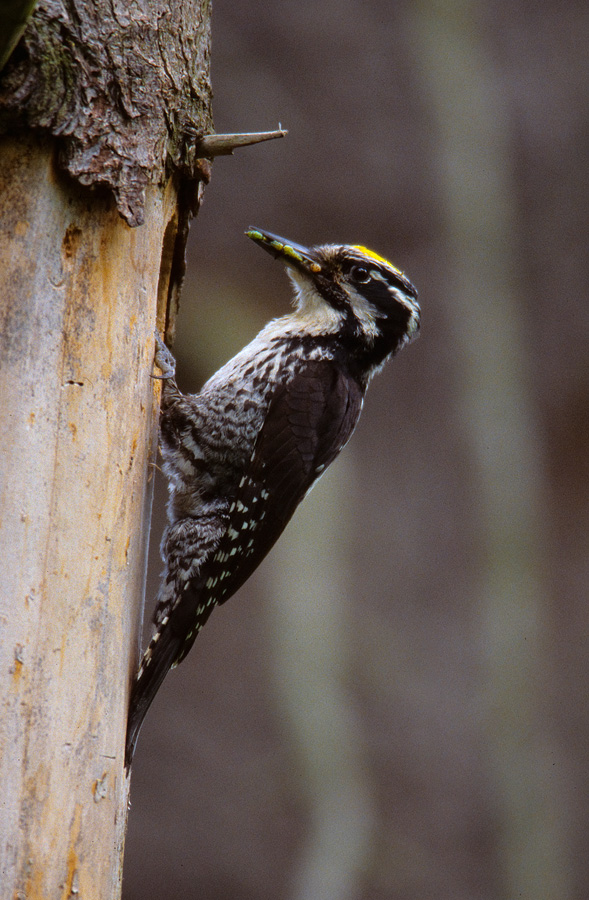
column 291, row 254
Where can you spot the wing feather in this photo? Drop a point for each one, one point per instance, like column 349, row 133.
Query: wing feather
column 310, row 418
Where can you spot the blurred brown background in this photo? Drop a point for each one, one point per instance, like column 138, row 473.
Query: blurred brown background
column 395, row 706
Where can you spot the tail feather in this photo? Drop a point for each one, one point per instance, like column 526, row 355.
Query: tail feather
column 148, row 681
column 169, row 645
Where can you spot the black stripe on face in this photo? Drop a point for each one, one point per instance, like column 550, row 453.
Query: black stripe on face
column 333, row 294
column 391, row 318
column 343, row 268
column 383, row 298
column 362, row 274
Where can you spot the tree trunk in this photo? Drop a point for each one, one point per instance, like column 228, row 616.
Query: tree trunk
column 81, row 292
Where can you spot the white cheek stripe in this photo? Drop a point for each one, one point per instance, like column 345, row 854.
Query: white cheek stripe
column 364, row 312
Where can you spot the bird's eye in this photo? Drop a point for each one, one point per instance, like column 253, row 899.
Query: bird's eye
column 360, row 274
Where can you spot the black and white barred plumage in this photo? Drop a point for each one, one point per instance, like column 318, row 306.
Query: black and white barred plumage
column 241, row 454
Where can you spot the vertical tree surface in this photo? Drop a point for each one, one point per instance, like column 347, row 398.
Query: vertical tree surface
column 97, row 183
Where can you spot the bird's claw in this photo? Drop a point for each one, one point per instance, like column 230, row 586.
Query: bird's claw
column 164, row 359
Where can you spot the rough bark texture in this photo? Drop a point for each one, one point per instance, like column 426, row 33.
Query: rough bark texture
column 125, row 87
column 112, row 91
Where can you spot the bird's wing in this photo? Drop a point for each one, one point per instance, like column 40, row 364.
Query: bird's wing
column 310, row 418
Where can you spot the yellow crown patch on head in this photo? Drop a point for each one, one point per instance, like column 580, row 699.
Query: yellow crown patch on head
column 376, row 257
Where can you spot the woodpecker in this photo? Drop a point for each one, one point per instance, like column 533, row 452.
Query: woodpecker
column 241, row 454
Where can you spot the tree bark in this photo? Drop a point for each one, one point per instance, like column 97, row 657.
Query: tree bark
column 112, row 95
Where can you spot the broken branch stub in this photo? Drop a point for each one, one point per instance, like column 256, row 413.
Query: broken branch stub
column 212, row 145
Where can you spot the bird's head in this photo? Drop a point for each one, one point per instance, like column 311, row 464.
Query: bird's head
column 348, row 291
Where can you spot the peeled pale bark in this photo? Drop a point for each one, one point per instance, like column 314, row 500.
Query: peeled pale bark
column 81, row 291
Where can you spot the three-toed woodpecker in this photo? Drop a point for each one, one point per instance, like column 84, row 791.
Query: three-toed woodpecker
column 241, row 454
